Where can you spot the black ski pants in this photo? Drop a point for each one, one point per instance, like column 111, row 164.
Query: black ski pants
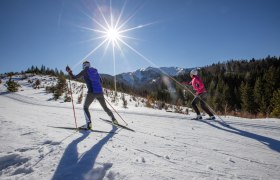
column 89, row 99
column 201, row 98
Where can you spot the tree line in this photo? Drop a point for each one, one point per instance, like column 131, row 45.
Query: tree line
column 246, row 87
column 249, row 88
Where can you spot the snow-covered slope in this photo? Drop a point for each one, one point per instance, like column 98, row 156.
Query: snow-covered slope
column 36, row 144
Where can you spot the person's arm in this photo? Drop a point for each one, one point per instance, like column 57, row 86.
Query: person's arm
column 81, row 74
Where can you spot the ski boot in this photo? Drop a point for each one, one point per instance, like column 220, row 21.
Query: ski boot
column 115, row 121
column 211, row 118
column 198, row 117
column 89, row 125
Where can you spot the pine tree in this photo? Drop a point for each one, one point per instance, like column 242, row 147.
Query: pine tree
column 226, row 98
column 237, row 100
column 60, row 87
column 259, row 96
column 218, row 101
column 56, row 72
column 271, row 78
column 12, row 86
column 247, row 98
column 275, row 103
column 211, row 93
column 32, row 69
column 43, row 69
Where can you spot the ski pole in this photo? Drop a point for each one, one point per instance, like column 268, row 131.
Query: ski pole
column 72, row 102
column 215, row 113
column 205, row 103
column 116, row 111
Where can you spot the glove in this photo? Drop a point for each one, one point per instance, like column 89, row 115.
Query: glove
column 68, row 69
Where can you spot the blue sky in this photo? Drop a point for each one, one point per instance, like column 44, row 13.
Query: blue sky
column 182, row 33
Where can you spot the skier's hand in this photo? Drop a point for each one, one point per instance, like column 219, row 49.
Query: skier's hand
column 68, row 69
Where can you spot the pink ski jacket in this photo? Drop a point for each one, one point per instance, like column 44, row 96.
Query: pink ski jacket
column 197, row 85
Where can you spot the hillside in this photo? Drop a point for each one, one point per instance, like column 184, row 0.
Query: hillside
column 148, row 76
column 246, row 88
column 36, row 144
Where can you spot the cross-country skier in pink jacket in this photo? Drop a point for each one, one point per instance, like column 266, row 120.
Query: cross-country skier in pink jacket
column 201, row 95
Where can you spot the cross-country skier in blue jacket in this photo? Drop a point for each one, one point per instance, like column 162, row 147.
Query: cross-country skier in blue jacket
column 93, row 82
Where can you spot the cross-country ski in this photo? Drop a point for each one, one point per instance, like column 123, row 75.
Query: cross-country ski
column 117, row 125
column 82, row 128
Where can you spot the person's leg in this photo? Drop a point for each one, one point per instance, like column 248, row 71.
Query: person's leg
column 194, row 102
column 205, row 108
column 102, row 102
column 203, row 105
column 88, row 101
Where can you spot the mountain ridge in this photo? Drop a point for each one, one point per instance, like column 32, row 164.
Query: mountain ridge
column 147, row 76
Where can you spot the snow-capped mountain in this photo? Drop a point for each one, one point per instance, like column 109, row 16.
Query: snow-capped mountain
column 148, row 76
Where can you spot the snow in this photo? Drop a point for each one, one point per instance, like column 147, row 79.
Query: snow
column 173, row 71
column 165, row 145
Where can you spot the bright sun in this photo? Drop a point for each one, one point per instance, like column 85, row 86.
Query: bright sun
column 112, row 30
column 113, row 34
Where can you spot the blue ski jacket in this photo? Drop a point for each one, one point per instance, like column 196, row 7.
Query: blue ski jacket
column 92, row 79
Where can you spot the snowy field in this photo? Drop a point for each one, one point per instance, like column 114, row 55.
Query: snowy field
column 35, row 143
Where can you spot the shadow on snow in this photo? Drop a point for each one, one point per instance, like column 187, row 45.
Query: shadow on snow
column 71, row 166
column 271, row 143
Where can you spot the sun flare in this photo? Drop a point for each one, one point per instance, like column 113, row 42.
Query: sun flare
column 113, row 34
column 111, row 28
